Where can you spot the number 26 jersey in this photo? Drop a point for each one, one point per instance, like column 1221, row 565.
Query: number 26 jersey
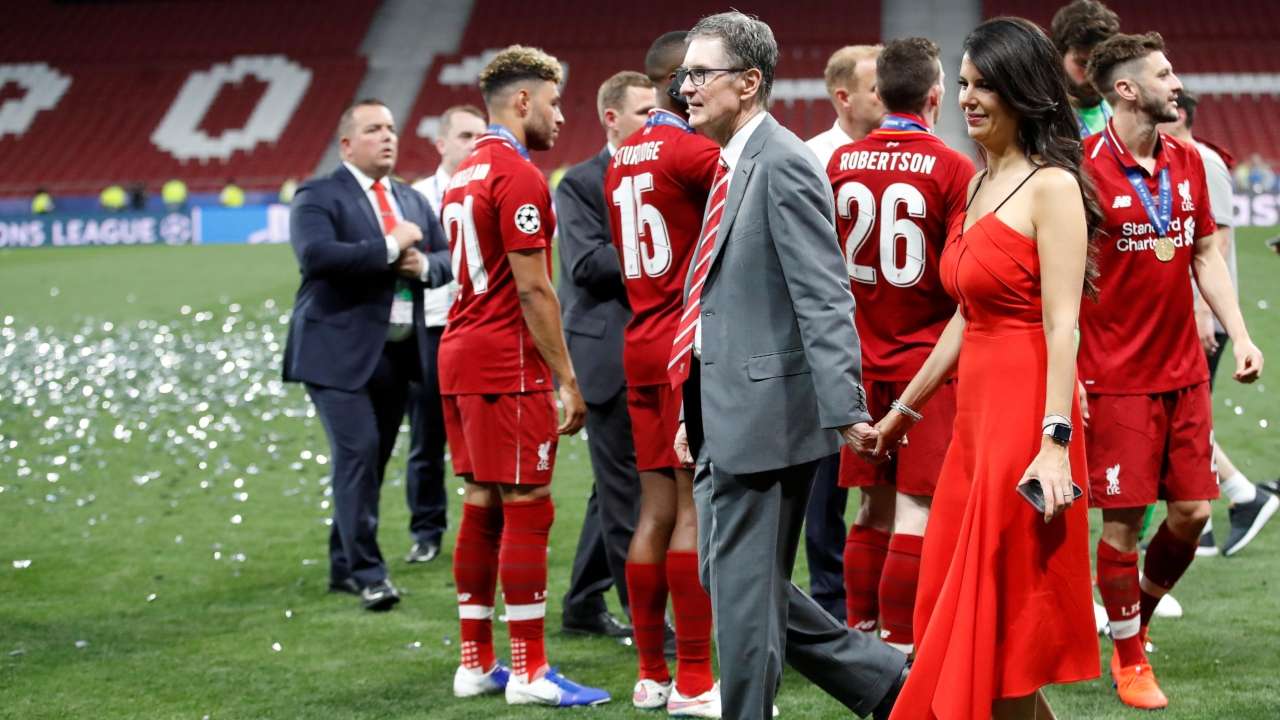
column 656, row 188
column 897, row 193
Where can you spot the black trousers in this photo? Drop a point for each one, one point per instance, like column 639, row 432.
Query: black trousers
column 361, row 426
column 824, row 535
column 424, row 475
column 610, row 517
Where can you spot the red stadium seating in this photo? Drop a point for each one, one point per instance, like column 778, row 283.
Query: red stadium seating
column 596, row 40
column 1204, row 36
column 127, row 63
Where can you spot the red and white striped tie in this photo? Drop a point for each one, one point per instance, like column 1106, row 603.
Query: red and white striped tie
column 682, row 346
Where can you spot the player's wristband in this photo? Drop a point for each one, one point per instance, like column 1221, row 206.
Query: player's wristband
column 906, row 410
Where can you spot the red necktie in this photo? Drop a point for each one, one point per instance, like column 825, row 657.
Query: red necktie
column 384, row 208
column 682, row 346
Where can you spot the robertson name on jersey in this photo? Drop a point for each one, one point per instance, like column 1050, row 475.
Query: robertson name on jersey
column 898, row 194
column 497, row 202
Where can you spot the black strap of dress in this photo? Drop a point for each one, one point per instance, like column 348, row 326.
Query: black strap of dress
column 983, row 176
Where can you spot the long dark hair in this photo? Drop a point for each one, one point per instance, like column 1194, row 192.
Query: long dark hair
column 1019, row 62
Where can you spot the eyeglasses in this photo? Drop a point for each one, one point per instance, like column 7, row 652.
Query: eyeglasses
column 698, row 76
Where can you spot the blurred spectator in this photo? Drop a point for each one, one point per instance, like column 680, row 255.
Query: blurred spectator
column 42, row 203
column 287, row 190
column 232, row 195
column 553, row 181
column 174, row 194
column 1261, row 178
column 138, row 197
column 113, row 198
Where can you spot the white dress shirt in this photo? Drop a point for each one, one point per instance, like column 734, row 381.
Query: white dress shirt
column 436, row 301
column 366, row 183
column 731, row 154
column 433, row 187
column 824, row 144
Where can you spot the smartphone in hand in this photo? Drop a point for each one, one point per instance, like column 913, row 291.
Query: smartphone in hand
column 1032, row 492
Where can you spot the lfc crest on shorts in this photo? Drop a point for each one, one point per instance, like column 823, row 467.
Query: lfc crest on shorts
column 544, row 456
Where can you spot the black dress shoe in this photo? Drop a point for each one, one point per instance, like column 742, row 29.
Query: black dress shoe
column 379, row 596
column 345, row 585
column 423, row 552
column 881, row 711
column 602, row 623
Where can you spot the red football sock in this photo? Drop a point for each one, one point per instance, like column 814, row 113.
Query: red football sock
column 692, row 608
column 1168, row 557
column 647, row 588
column 522, row 565
column 475, row 574
column 1118, row 585
column 864, row 555
column 898, row 587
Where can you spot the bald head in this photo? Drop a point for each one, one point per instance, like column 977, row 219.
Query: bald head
column 660, row 63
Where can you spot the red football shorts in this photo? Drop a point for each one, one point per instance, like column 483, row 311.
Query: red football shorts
column 655, row 417
column 508, row 439
column 915, row 466
column 1147, row 447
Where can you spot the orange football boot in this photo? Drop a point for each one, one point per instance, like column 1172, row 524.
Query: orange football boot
column 1137, row 688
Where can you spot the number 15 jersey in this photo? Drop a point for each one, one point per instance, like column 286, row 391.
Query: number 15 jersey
column 656, row 189
column 897, row 193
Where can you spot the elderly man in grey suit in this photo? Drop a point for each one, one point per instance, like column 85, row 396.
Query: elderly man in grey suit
column 770, row 353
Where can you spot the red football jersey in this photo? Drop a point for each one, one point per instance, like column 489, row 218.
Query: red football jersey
column 496, row 203
column 898, row 193
column 656, row 187
column 1140, row 336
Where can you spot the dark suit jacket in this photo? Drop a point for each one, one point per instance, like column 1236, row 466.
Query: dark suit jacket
column 593, row 299
column 343, row 306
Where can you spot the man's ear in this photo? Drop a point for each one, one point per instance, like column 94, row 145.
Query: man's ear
column 753, row 82
column 610, row 118
column 842, row 97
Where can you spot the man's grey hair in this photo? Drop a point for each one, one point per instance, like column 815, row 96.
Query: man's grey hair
column 749, row 43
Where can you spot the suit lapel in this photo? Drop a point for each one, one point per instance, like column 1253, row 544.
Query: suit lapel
column 738, row 184
column 360, row 198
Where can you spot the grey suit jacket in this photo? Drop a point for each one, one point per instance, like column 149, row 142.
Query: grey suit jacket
column 593, row 299
column 781, row 366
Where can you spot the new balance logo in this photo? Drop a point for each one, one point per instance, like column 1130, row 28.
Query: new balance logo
column 544, row 456
column 865, row 626
column 1122, row 201
column 1113, row 479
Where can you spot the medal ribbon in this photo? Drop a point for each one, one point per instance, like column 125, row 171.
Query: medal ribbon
column 900, row 121
column 1161, row 217
column 670, row 119
column 505, row 134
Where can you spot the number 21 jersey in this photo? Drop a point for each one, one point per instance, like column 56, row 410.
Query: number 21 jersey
column 656, row 189
column 497, row 202
column 898, row 193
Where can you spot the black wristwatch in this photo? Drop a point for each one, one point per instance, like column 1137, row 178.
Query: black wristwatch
column 1060, row 433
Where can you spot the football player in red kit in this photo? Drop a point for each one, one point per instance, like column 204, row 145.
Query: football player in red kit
column 656, row 186
column 898, row 191
column 501, row 351
column 1150, row 434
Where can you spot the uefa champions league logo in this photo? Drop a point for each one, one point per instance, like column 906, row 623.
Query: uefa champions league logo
column 175, row 229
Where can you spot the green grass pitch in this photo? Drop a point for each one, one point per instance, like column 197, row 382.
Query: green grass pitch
column 162, row 549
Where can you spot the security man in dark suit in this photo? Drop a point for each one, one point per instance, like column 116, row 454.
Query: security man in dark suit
column 367, row 246
column 595, row 313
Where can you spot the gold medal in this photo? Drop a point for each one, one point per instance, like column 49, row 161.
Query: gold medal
column 1165, row 249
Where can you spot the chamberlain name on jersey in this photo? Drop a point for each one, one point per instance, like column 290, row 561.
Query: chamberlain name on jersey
column 656, row 188
column 496, row 203
column 1140, row 336
column 898, row 193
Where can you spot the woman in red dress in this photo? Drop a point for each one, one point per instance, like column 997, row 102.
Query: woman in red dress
column 1004, row 605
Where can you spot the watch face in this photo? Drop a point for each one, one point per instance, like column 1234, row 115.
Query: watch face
column 1061, row 434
